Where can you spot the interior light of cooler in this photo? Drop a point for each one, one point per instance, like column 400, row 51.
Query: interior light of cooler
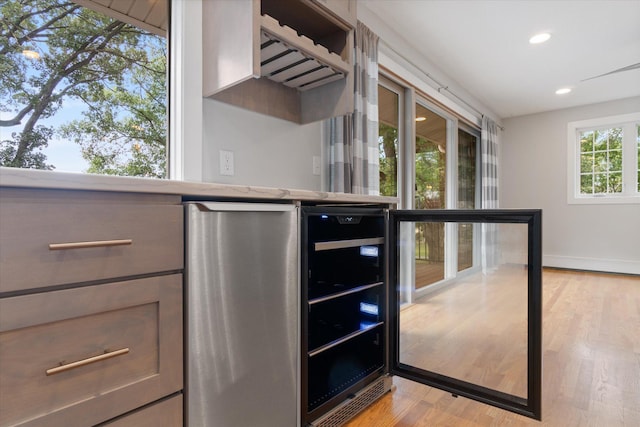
column 368, row 308
column 366, row 325
column 371, row 251
column 324, row 216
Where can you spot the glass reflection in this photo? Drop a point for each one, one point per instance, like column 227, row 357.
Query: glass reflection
column 474, row 328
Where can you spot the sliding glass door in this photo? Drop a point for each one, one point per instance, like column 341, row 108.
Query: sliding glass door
column 431, row 144
column 428, row 160
column 468, row 197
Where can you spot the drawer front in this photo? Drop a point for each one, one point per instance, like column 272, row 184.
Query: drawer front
column 81, row 356
column 91, row 240
column 167, row 413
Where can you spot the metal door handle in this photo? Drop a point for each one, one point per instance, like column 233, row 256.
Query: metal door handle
column 84, row 362
column 93, row 244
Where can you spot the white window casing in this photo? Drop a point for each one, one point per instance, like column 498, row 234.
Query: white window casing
column 629, row 124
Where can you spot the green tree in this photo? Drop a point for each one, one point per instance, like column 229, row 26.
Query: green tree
column 430, row 174
column 388, row 151
column 116, row 69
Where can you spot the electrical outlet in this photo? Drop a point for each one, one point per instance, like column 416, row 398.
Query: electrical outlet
column 226, row 163
column 316, row 165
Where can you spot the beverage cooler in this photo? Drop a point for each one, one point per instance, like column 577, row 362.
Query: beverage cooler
column 343, row 307
column 300, row 315
column 354, row 334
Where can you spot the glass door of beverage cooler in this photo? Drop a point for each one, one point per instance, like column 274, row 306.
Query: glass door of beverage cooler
column 478, row 335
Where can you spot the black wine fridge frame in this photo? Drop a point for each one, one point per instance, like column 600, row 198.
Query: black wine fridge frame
column 529, row 406
column 307, row 415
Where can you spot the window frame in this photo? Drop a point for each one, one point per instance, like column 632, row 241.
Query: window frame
column 399, row 91
column 409, row 96
column 630, row 193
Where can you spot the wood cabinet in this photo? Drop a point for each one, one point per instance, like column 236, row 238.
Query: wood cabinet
column 166, row 413
column 290, row 59
column 52, row 238
column 344, row 10
column 92, row 329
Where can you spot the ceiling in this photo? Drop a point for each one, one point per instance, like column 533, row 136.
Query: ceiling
column 150, row 15
column 483, row 47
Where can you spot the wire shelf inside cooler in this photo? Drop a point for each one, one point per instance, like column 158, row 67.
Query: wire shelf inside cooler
column 339, row 368
column 336, row 320
column 339, row 270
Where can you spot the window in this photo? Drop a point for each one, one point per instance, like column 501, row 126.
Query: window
column 604, row 160
column 601, row 161
column 84, row 88
column 428, row 158
column 388, row 126
column 468, row 143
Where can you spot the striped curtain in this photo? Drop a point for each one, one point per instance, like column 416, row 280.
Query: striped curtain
column 489, row 159
column 353, row 139
column 339, row 134
column 489, row 149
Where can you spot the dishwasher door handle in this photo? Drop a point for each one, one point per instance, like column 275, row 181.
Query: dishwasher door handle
column 245, row 207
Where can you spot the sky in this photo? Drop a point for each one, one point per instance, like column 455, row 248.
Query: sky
column 65, row 155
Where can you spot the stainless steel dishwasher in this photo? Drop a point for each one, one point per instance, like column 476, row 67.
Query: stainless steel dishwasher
column 242, row 305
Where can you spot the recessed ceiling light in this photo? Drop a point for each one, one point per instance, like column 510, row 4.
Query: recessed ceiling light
column 563, row 91
column 420, row 119
column 540, row 38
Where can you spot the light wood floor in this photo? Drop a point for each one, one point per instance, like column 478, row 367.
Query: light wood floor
column 591, row 366
column 474, row 330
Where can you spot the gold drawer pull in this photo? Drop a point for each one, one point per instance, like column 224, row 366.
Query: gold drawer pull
column 95, row 244
column 87, row 361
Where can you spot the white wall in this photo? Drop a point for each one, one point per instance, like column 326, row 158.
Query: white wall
column 267, row 151
column 399, row 56
column 533, row 174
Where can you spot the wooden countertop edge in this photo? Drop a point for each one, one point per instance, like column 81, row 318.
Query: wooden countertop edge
column 29, row 178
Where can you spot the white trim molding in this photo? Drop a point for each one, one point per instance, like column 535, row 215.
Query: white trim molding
column 592, row 264
column 185, row 86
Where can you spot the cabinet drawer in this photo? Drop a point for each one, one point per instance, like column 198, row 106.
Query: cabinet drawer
column 167, row 413
column 135, row 327
column 103, row 236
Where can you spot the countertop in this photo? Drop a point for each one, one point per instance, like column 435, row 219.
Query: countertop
column 30, row 178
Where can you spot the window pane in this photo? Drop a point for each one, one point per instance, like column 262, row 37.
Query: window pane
column 615, row 183
column 615, row 139
column 586, row 141
column 586, row 184
column 600, row 164
column 601, row 138
column 586, row 163
column 388, row 116
column 93, row 88
column 467, row 145
column 431, row 143
column 615, row 160
column 600, row 183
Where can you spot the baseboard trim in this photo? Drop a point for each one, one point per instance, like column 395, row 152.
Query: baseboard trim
column 592, row 264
